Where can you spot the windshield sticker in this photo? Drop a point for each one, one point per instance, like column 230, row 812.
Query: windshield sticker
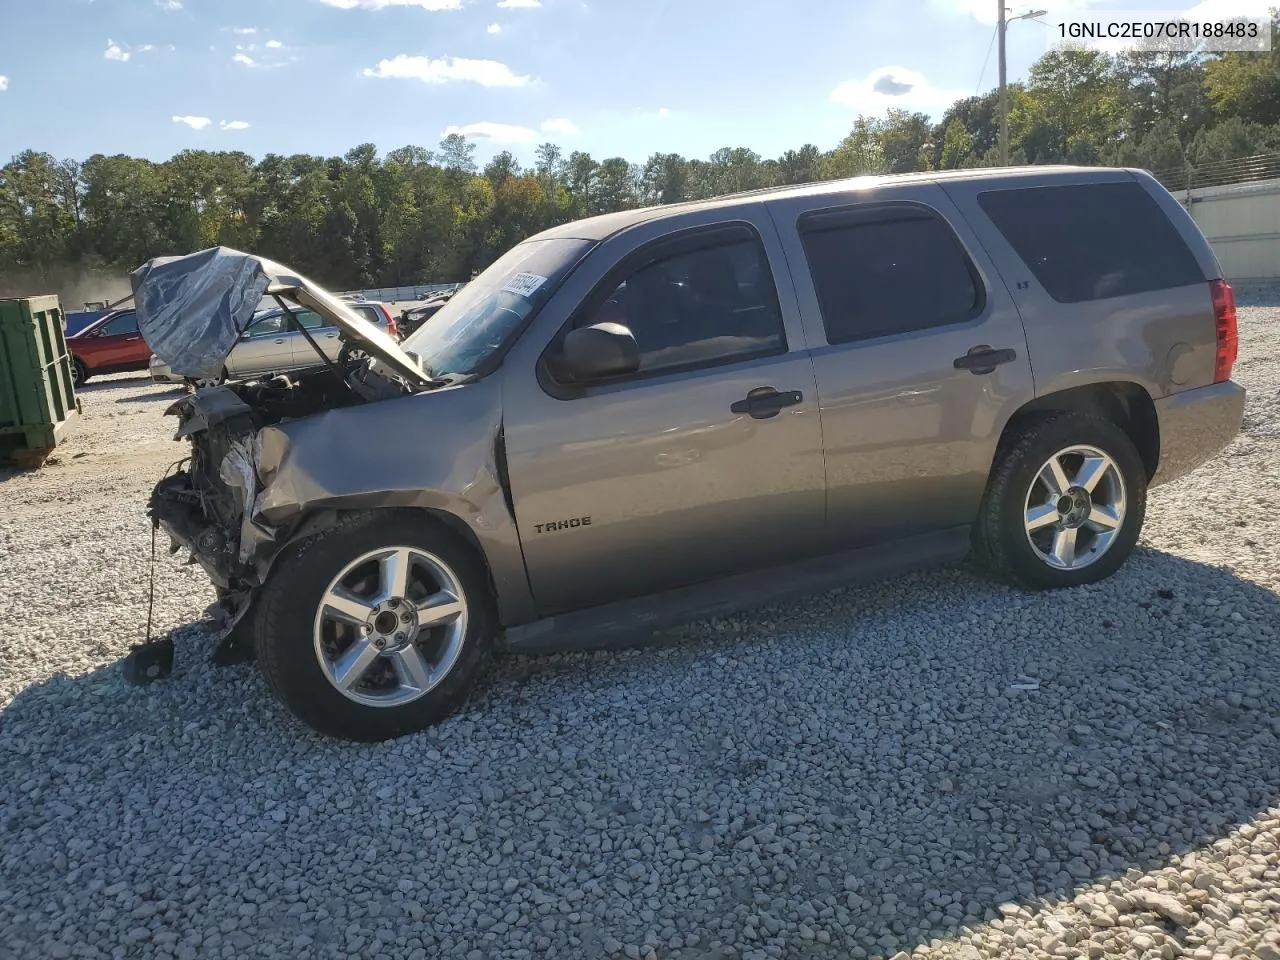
column 524, row 284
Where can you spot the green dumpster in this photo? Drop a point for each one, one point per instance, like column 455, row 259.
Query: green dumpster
column 37, row 395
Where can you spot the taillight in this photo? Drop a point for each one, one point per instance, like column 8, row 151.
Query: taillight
column 391, row 322
column 1224, row 318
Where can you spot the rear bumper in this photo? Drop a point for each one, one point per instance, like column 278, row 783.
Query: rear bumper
column 1195, row 425
column 162, row 374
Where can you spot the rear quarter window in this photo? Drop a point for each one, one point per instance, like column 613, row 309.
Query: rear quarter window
column 1092, row 241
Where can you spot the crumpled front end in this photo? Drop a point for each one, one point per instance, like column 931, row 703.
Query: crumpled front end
column 274, row 461
column 203, row 507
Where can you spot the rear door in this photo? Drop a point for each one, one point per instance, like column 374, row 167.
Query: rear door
column 266, row 346
column 919, row 354
column 326, row 335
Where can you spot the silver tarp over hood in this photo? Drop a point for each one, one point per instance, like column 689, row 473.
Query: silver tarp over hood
column 193, row 309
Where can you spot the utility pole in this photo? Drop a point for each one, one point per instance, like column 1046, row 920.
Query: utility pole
column 1002, row 24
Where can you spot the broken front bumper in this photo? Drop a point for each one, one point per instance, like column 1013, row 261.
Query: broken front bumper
column 176, row 508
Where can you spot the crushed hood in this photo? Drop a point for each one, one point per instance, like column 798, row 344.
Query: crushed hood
column 193, row 309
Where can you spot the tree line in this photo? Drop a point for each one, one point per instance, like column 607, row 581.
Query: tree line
column 421, row 215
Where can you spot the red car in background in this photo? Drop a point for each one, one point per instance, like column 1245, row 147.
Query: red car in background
column 110, row 344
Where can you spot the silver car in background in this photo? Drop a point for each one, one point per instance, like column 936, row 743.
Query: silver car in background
column 273, row 344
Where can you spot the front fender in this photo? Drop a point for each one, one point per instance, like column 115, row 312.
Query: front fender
column 433, row 451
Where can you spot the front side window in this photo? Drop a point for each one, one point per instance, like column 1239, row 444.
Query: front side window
column 891, row 271
column 120, row 326
column 714, row 304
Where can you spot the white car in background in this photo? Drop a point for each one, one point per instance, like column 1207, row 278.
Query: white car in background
column 273, row 344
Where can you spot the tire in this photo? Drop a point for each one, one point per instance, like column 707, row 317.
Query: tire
column 299, row 640
column 79, row 372
column 1019, row 497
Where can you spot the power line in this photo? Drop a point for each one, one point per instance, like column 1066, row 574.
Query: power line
column 986, row 60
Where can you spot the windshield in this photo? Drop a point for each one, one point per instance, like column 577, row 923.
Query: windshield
column 491, row 309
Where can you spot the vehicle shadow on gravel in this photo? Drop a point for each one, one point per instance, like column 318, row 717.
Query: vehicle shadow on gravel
column 848, row 775
column 161, row 394
column 113, row 382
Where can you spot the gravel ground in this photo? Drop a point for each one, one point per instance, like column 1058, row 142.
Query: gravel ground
column 854, row 775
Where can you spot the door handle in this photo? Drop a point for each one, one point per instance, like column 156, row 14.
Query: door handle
column 281, row 340
column 983, row 359
column 765, row 402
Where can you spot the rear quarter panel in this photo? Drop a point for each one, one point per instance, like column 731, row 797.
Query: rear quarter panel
column 1163, row 340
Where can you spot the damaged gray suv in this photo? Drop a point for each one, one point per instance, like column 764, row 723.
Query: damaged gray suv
column 663, row 414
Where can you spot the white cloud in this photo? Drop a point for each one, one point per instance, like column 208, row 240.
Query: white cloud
column 245, row 31
column 4, row 83
column 195, row 123
column 380, row 4
column 274, row 44
column 169, row 6
column 891, row 86
column 487, row 73
column 234, row 125
column 664, row 112
column 495, row 28
column 495, row 132
column 116, row 52
column 560, row 125
column 145, row 47
column 244, row 58
column 511, row 4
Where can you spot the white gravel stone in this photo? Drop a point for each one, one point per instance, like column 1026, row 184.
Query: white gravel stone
column 848, row 775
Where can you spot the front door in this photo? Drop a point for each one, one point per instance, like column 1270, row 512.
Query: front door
column 682, row 472
column 919, row 353
column 120, row 345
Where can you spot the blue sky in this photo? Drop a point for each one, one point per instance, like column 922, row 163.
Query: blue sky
column 612, row 77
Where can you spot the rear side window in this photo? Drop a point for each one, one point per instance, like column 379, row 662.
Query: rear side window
column 310, row 319
column 888, row 271
column 1091, row 241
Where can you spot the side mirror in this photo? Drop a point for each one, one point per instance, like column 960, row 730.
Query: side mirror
column 604, row 350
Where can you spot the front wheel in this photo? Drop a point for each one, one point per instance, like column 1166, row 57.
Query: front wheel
column 1065, row 503
column 375, row 627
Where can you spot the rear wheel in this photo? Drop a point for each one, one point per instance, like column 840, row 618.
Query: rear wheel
column 79, row 372
column 376, row 627
column 1065, row 503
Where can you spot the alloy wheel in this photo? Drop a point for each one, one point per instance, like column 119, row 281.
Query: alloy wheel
column 390, row 626
column 1075, row 507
